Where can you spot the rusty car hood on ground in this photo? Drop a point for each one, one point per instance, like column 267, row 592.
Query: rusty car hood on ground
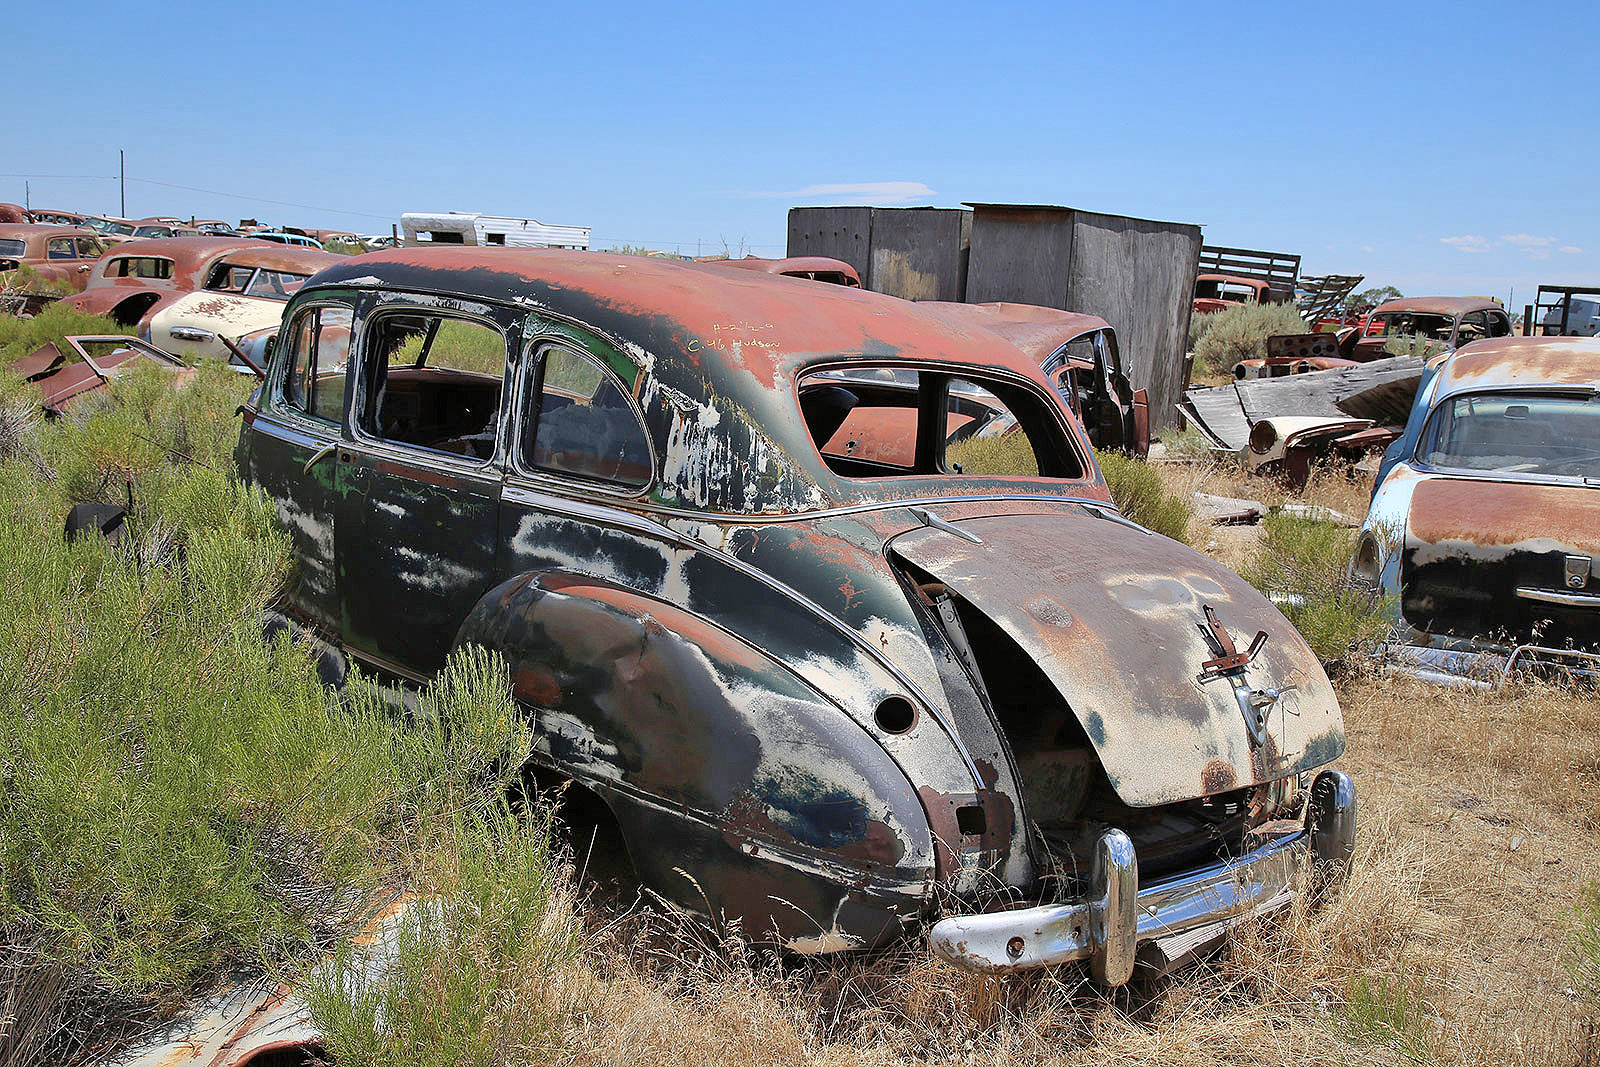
column 1116, row 617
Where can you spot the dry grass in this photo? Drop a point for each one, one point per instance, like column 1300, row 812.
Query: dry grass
column 1478, row 818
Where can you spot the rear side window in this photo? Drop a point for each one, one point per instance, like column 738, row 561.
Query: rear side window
column 62, row 248
column 877, row 422
column 139, row 267
column 583, row 424
column 316, row 365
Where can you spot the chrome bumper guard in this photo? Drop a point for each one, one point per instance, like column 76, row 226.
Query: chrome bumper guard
column 1172, row 919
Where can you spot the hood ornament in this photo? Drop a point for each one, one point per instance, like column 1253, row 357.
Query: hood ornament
column 1230, row 663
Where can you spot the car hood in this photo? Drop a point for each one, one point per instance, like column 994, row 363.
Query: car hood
column 1115, row 617
column 219, row 312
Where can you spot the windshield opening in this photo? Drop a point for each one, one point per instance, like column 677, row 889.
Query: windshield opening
column 1550, row 435
column 1415, row 324
column 875, row 422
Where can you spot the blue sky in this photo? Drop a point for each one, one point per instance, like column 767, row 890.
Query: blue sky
column 1440, row 148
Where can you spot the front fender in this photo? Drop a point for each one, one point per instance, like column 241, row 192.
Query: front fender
column 679, row 717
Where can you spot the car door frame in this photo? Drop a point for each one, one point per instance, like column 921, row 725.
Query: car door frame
column 389, row 494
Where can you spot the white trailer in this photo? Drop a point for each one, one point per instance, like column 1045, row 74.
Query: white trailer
column 475, row 228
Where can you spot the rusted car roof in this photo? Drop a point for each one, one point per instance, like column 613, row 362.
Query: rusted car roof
column 1520, row 362
column 1038, row 331
column 792, row 265
column 1254, row 283
column 1438, row 305
column 193, row 256
column 720, row 352
column 35, row 232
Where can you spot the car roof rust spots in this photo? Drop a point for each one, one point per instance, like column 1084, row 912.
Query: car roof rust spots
column 1038, row 331
column 1451, row 306
column 1521, row 363
column 193, row 255
column 769, row 326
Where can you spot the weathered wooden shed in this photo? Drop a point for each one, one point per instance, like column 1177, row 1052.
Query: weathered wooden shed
column 1136, row 274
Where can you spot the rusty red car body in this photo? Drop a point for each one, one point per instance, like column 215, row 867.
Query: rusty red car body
column 54, row 254
column 836, row 697
column 1216, row 292
column 1485, row 522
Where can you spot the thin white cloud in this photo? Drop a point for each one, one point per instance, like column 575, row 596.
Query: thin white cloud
column 1468, row 242
column 1572, row 250
column 1368, row 248
column 871, row 194
column 1527, row 240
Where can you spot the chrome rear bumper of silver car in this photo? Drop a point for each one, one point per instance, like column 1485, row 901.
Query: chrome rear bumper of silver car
column 1170, row 919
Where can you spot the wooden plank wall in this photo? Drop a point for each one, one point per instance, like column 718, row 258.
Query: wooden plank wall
column 919, row 253
column 1023, row 255
column 837, row 232
column 1138, row 275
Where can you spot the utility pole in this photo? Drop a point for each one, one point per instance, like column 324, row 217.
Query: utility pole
column 122, row 169
column 27, row 197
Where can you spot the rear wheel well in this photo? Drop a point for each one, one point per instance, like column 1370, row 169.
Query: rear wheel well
column 133, row 309
column 587, row 824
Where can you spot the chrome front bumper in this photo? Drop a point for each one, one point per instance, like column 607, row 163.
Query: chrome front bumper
column 1169, row 920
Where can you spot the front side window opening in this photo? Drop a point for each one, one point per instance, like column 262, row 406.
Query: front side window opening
column 435, row 382
column 319, row 351
column 876, row 422
column 584, row 425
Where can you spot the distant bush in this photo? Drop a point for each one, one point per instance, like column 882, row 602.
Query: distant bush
column 1199, row 323
column 344, row 248
column 1424, row 348
column 1007, row 455
column 19, row 337
column 1142, row 497
column 1301, row 564
column 1241, row 332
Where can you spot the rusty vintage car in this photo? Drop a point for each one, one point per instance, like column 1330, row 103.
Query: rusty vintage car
column 54, row 254
column 843, row 697
column 185, row 293
column 1451, row 321
column 1218, row 292
column 1485, row 521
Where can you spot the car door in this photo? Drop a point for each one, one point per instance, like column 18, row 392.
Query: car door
column 420, row 481
column 289, row 446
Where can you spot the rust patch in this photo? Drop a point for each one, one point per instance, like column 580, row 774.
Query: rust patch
column 1218, row 777
column 1487, row 513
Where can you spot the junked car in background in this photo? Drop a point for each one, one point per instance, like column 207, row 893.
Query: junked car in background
column 1485, row 523
column 1451, row 321
column 1217, row 292
column 184, row 292
column 55, row 254
column 816, row 268
column 839, row 694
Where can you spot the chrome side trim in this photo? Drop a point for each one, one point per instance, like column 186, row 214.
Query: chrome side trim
column 1551, row 596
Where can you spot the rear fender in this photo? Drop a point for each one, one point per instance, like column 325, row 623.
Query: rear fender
column 652, row 703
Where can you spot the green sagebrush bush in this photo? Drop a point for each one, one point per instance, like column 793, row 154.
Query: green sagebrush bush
column 1301, row 563
column 1241, row 332
column 1142, row 496
column 20, row 337
column 179, row 797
